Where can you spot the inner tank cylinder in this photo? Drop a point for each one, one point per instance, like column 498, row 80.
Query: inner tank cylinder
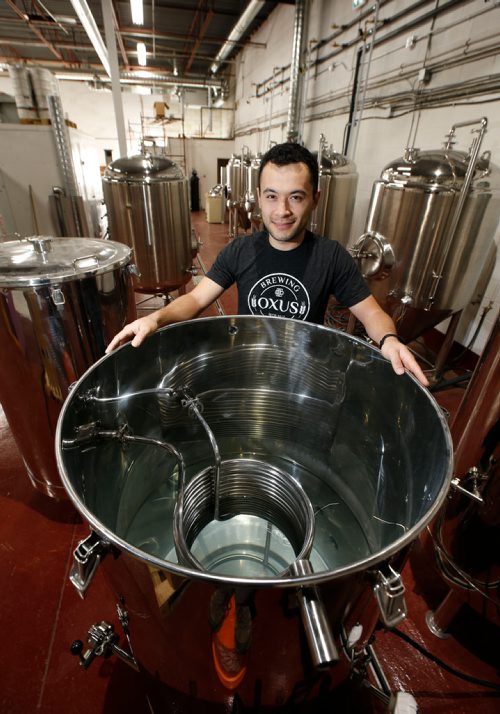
column 147, row 199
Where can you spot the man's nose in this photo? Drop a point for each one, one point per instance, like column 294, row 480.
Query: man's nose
column 283, row 205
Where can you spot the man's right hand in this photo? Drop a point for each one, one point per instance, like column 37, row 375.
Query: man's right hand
column 184, row 307
column 138, row 330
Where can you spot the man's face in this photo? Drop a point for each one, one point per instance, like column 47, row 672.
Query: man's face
column 286, row 201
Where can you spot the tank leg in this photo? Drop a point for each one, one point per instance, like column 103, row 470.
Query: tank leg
column 351, row 324
column 443, row 353
column 439, row 620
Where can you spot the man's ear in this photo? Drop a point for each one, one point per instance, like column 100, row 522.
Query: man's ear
column 258, row 195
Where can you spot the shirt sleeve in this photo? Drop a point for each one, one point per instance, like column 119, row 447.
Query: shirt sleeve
column 222, row 271
column 350, row 286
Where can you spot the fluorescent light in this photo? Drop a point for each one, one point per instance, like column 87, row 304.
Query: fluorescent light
column 75, row 76
column 65, row 19
column 137, row 12
column 141, row 54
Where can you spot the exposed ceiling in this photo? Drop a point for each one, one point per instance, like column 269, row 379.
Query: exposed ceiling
column 183, row 39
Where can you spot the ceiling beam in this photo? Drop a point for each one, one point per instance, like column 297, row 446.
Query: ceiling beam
column 196, row 33
column 37, row 32
column 84, row 13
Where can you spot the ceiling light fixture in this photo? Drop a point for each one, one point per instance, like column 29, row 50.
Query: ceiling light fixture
column 137, row 11
column 141, row 54
column 87, row 19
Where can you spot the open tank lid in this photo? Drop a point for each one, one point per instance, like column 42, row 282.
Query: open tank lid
column 143, row 168
column 438, row 167
column 44, row 260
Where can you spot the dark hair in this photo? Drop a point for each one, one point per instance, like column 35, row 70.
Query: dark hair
column 290, row 153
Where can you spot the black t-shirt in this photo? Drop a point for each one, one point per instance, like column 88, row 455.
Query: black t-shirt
column 288, row 283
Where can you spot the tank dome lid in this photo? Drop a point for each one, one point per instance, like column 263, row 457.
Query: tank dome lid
column 438, row 168
column 143, row 168
column 43, row 260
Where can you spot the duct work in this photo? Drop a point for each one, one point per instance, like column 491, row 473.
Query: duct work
column 237, row 32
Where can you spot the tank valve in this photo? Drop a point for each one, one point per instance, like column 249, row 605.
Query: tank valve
column 103, row 642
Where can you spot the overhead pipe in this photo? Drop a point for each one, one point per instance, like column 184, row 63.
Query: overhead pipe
column 242, row 25
column 157, row 78
column 297, row 70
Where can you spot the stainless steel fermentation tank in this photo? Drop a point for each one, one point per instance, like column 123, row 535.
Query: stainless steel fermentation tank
column 338, row 181
column 429, row 228
column 247, row 468
column 61, row 302
column 241, row 185
column 147, row 200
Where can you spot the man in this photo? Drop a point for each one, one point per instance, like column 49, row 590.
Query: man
column 285, row 270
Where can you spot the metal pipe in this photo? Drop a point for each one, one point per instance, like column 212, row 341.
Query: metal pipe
column 469, row 175
column 319, row 636
column 297, row 70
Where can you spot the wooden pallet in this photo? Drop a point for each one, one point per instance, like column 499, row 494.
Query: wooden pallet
column 45, row 122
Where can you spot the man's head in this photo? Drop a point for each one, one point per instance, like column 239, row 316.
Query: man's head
column 290, row 153
column 288, row 181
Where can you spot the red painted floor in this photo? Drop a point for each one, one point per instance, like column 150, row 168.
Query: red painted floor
column 41, row 613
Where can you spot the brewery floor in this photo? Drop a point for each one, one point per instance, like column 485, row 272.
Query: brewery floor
column 41, row 613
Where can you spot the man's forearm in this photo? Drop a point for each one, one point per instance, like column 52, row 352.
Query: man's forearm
column 376, row 322
column 182, row 308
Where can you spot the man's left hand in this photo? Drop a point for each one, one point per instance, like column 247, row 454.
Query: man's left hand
column 402, row 359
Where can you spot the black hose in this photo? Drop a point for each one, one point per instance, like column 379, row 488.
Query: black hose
column 352, row 106
column 445, row 383
column 472, row 339
column 443, row 665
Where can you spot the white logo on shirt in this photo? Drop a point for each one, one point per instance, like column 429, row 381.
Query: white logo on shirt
column 279, row 295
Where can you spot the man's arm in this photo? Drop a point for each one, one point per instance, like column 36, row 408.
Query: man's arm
column 377, row 324
column 182, row 308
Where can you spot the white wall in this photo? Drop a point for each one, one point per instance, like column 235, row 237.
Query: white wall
column 202, row 155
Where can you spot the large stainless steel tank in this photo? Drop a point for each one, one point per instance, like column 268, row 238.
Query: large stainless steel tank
column 61, row 302
column 251, row 188
column 147, row 199
column 429, row 227
column 236, row 169
column 260, row 463
column 338, row 181
column 239, row 171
